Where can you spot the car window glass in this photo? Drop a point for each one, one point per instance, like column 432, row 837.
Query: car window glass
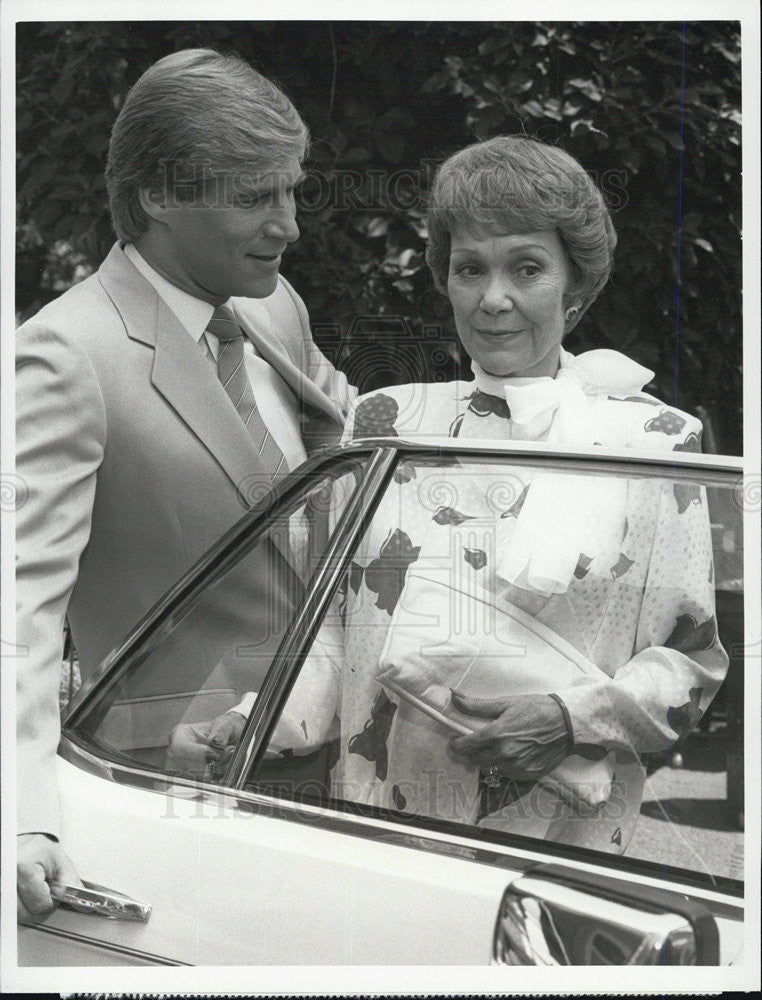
column 169, row 710
column 619, row 593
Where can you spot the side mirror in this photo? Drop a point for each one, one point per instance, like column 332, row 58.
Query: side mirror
column 551, row 916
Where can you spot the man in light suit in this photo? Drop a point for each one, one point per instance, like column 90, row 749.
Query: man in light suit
column 135, row 455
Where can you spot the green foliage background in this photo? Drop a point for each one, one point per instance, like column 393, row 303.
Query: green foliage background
column 651, row 110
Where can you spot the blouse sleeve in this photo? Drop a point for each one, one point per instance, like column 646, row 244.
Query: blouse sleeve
column 678, row 664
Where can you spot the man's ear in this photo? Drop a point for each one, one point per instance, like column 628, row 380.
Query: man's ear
column 154, row 203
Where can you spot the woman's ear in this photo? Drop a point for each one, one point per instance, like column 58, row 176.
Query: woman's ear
column 572, row 296
column 572, row 316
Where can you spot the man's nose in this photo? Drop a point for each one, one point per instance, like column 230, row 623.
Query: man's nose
column 282, row 224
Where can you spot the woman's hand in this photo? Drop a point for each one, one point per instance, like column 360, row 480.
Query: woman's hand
column 528, row 738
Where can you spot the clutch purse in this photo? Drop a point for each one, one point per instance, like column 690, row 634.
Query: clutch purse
column 443, row 637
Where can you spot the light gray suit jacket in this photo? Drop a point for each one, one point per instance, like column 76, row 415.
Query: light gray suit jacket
column 135, row 463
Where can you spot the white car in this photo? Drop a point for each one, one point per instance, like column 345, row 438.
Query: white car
column 255, row 860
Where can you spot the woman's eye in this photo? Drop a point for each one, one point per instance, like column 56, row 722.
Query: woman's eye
column 466, row 270
column 529, row 270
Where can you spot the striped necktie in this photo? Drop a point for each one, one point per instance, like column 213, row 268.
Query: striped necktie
column 232, row 373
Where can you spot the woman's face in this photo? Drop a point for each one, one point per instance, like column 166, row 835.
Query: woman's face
column 509, row 294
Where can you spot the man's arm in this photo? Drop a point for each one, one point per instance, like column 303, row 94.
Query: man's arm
column 60, row 437
column 39, row 860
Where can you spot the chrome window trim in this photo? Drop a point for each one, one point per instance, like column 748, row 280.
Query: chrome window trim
column 540, row 450
column 308, row 616
column 108, row 946
column 354, row 822
column 645, row 467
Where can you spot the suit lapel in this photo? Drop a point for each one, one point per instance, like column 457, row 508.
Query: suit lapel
column 181, row 372
column 189, row 383
column 258, row 328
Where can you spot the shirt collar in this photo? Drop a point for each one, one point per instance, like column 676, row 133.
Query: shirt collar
column 193, row 313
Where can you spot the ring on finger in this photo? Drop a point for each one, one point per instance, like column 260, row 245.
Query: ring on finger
column 492, row 776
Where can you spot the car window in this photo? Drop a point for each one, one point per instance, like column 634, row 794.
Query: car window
column 210, row 653
column 614, row 595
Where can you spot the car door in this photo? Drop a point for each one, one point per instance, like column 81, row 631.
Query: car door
column 260, row 856
column 677, row 561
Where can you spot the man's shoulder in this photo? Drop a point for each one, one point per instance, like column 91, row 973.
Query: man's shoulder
column 83, row 312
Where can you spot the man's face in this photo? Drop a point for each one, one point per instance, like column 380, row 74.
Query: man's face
column 229, row 240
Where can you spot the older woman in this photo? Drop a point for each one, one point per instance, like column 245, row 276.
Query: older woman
column 521, row 243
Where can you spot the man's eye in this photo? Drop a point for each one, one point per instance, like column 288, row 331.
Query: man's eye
column 248, row 200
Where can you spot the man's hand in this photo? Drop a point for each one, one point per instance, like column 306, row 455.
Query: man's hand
column 38, row 861
column 193, row 746
column 528, row 738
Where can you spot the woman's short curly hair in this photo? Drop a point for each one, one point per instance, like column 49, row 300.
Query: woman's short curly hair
column 512, row 184
column 193, row 116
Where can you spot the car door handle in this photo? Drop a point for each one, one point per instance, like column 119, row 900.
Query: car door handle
column 99, row 901
column 553, row 916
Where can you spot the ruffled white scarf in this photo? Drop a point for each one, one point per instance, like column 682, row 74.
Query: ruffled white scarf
column 565, row 516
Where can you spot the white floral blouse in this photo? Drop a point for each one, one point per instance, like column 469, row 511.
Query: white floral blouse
column 637, row 599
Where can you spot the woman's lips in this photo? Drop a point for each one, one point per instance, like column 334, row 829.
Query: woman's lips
column 497, row 333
